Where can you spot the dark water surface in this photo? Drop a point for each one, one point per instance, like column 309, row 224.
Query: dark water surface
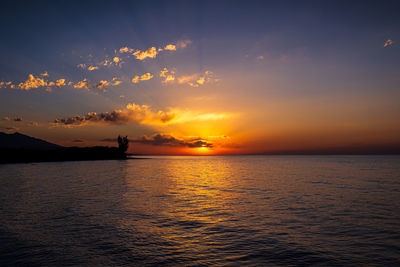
column 235, row 210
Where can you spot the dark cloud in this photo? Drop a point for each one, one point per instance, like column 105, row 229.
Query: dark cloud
column 133, row 113
column 18, row 119
column 168, row 140
column 113, row 117
column 77, row 141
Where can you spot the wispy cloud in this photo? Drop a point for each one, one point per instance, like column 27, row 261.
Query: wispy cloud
column 183, row 43
column 195, row 80
column 144, row 77
column 388, row 42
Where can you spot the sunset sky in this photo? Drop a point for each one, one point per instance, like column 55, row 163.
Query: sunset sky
column 202, row 77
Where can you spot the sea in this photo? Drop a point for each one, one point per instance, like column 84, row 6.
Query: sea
column 202, row 211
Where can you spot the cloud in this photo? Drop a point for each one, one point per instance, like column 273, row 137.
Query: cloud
column 11, row 129
column 195, row 80
column 6, row 118
column 77, row 141
column 92, row 68
column 183, row 43
column 132, row 114
column 116, row 60
column 169, row 140
column 18, row 119
column 82, row 84
column 140, row 114
column 126, row 50
column 260, row 57
column 388, row 43
column 82, row 66
column 144, row 77
column 45, row 74
column 60, row 82
column 102, row 84
column 170, row 47
column 168, row 75
column 32, row 83
column 33, row 123
column 142, row 55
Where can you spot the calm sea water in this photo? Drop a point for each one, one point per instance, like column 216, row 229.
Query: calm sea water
column 234, row 210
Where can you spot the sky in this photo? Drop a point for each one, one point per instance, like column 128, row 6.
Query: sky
column 203, row 77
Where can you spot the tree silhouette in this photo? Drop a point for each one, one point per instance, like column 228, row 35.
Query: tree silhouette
column 123, row 143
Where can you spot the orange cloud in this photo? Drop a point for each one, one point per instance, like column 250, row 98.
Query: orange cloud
column 45, row 74
column 60, row 82
column 142, row 55
column 91, row 68
column 144, row 77
column 82, row 84
column 195, row 80
column 32, row 83
column 126, row 50
column 168, row 75
column 170, row 47
column 388, row 43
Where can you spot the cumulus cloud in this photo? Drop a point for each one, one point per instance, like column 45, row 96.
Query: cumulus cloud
column 144, row 77
column 388, row 43
column 116, row 60
column 142, row 55
column 82, row 84
column 32, row 83
column 92, row 68
column 169, row 140
column 60, row 82
column 170, row 47
column 168, row 75
column 45, row 74
column 126, row 50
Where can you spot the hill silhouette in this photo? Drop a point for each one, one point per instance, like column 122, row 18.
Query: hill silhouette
column 18, row 147
column 22, row 141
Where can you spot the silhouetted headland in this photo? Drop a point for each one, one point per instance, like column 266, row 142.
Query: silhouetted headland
column 15, row 148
